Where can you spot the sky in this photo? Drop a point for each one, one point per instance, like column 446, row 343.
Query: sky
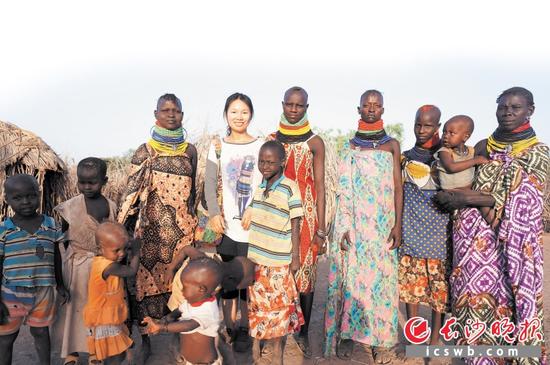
column 85, row 76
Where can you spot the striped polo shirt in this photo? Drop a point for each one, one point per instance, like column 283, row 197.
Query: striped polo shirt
column 29, row 258
column 269, row 240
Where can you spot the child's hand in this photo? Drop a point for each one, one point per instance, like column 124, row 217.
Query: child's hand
column 246, row 219
column 481, row 160
column 295, row 264
column 63, row 294
column 217, row 223
column 395, row 237
column 153, row 327
column 344, row 241
column 4, row 313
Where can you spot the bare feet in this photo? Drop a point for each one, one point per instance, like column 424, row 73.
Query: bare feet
column 382, row 355
column 344, row 349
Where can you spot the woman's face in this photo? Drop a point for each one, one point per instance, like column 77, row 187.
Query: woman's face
column 513, row 111
column 238, row 116
column 169, row 115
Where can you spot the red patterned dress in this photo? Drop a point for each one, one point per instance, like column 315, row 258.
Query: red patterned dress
column 299, row 167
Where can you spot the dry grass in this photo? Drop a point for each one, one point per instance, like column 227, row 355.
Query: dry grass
column 22, row 152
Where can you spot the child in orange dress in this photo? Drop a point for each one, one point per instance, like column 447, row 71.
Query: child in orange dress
column 106, row 309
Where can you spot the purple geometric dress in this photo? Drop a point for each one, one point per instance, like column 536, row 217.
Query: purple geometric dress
column 498, row 273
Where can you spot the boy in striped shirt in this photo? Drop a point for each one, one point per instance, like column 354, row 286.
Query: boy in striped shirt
column 274, row 222
column 30, row 269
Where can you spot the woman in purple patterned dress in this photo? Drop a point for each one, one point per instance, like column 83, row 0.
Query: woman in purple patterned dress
column 497, row 237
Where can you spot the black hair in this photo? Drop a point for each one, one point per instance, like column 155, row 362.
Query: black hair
column 93, row 163
column 21, row 178
column 214, row 267
column 369, row 92
column 468, row 121
column 277, row 146
column 169, row 97
column 296, row 89
column 517, row 90
column 238, row 96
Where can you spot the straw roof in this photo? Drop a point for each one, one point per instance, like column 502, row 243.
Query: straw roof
column 24, row 152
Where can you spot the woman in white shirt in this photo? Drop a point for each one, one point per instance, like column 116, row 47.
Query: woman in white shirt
column 235, row 158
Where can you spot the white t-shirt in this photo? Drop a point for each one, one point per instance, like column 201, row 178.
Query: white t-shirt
column 240, row 177
column 206, row 314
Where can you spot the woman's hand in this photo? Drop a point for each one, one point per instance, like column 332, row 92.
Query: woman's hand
column 395, row 237
column 321, row 244
column 246, row 219
column 295, row 264
column 345, row 241
column 218, row 224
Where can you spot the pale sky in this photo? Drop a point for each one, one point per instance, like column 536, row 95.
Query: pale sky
column 85, row 76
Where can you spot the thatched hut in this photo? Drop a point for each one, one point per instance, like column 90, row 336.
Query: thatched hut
column 24, row 152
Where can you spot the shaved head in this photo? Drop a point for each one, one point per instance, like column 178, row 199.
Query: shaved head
column 431, row 110
column 111, row 233
column 204, row 271
column 465, row 121
column 296, row 89
column 371, row 92
column 20, row 181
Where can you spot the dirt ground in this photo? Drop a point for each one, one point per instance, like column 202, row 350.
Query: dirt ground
column 24, row 353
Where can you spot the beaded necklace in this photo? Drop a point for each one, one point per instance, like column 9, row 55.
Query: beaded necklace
column 293, row 133
column 513, row 142
column 370, row 135
column 168, row 142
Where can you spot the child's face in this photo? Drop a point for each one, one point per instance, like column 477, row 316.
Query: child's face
column 295, row 107
column 425, row 126
column 238, row 116
column 193, row 289
column 455, row 134
column 371, row 108
column 90, row 182
column 23, row 197
column 115, row 250
column 269, row 163
column 169, row 115
column 512, row 111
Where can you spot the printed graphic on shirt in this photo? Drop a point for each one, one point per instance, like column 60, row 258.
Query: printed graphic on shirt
column 240, row 174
